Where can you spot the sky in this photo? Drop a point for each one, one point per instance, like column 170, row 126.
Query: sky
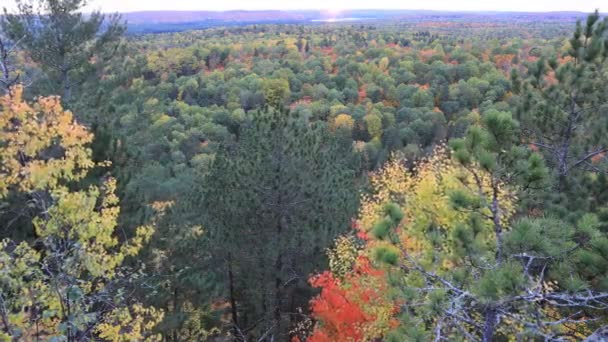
column 337, row 5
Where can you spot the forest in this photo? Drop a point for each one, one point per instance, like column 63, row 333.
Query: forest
column 393, row 180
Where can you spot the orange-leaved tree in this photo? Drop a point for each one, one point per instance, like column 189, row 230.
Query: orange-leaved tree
column 355, row 302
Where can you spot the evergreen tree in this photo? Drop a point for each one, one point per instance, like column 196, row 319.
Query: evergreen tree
column 272, row 203
column 565, row 104
column 495, row 273
column 63, row 40
column 461, row 261
column 8, row 74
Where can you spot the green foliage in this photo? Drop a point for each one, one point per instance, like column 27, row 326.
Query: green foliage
column 394, row 212
column 276, row 91
column 382, row 228
column 387, row 254
column 68, row 281
column 245, row 196
column 285, row 186
column 563, row 107
column 59, row 37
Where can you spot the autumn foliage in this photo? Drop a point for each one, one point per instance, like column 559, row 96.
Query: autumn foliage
column 354, row 308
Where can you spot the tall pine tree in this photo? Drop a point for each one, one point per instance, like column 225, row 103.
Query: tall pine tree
column 272, row 203
column 62, row 39
column 563, row 110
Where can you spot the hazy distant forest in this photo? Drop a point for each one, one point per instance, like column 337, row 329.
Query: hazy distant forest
column 376, row 180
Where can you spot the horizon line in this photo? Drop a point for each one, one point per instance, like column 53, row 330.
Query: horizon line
column 351, row 9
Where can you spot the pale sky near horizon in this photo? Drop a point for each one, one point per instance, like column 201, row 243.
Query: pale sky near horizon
column 336, row 5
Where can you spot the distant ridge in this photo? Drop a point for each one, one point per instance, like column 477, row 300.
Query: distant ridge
column 272, row 15
column 193, row 16
column 170, row 21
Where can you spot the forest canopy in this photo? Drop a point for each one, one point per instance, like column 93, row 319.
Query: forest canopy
column 400, row 180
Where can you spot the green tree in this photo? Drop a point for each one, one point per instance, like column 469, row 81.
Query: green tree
column 62, row 39
column 271, row 204
column 565, row 103
column 483, row 275
column 276, row 92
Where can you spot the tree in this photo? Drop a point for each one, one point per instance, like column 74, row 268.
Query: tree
column 185, row 285
column 344, row 122
column 276, row 92
column 355, row 302
column 7, row 68
column 565, row 104
column 472, row 268
column 67, row 282
column 61, row 38
column 42, row 149
column 271, row 204
column 462, row 262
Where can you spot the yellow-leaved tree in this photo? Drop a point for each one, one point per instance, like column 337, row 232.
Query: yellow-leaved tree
column 423, row 194
column 409, row 213
column 68, row 282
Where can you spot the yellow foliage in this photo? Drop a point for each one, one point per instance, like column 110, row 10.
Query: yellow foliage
column 343, row 121
column 131, row 324
column 383, row 64
column 276, row 91
column 76, row 217
column 342, row 256
column 374, row 125
column 424, row 196
column 411, row 204
column 77, row 254
column 42, row 145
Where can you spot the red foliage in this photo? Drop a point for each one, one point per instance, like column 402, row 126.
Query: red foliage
column 341, row 317
column 327, row 50
column 362, row 93
column 361, row 234
column 305, row 100
column 341, row 309
column 532, row 59
column 426, row 55
column 504, row 62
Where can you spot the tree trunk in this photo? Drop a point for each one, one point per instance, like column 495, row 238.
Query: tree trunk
column 600, row 334
column 175, row 308
column 67, row 87
column 564, row 149
column 278, row 279
column 496, row 220
column 232, row 297
column 489, row 324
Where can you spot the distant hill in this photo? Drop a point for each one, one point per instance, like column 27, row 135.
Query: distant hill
column 171, row 21
column 174, row 17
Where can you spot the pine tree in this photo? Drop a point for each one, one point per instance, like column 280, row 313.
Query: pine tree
column 463, row 262
column 497, row 273
column 565, row 104
column 272, row 203
column 59, row 37
column 8, row 73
